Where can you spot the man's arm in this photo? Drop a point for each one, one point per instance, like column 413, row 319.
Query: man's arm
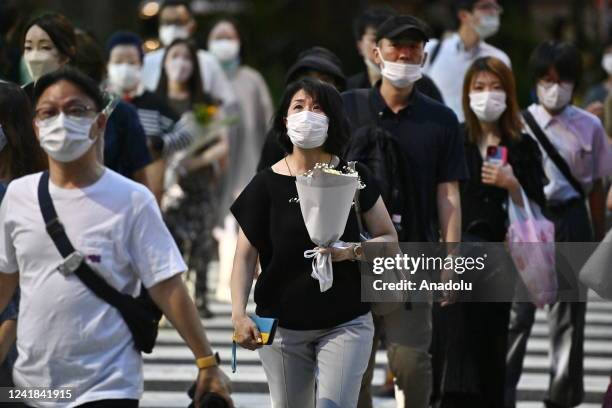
column 449, row 211
column 8, row 284
column 597, row 201
column 173, row 299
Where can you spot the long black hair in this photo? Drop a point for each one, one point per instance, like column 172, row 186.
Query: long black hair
column 22, row 154
column 195, row 82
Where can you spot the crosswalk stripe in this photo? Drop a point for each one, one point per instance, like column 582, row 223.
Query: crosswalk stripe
column 169, row 370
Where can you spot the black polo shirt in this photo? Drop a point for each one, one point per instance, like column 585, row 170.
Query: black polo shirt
column 428, row 133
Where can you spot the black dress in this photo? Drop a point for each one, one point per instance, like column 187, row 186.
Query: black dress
column 473, row 340
column 273, row 223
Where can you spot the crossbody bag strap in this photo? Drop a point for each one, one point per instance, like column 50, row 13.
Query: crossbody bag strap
column 74, row 262
column 552, row 152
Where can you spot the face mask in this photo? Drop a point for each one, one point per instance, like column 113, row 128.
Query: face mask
column 65, row 138
column 307, row 129
column 372, row 67
column 40, row 63
column 3, row 139
column 556, row 96
column 488, row 25
column 488, row 106
column 606, row 63
column 124, row 77
column 400, row 75
column 179, row 69
column 170, row 32
column 225, row 50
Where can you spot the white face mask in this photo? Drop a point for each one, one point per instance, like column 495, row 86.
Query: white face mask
column 40, row 63
column 65, row 138
column 170, row 32
column 179, row 69
column 606, row 63
column 400, row 75
column 488, row 25
column 556, row 96
column 224, row 49
column 124, row 77
column 488, row 106
column 307, row 130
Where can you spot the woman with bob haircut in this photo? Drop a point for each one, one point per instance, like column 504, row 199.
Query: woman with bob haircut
column 323, row 339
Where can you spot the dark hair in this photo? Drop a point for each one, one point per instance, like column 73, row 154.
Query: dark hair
column 59, row 29
column 371, row 17
column 124, row 38
column 510, row 121
column 176, row 3
column 73, row 75
column 22, row 154
column 90, row 56
column 331, row 104
column 562, row 56
column 195, row 83
column 465, row 5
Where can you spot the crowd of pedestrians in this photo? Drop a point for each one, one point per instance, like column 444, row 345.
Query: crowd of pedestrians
column 139, row 156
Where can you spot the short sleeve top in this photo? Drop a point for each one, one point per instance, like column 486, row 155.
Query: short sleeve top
column 273, row 223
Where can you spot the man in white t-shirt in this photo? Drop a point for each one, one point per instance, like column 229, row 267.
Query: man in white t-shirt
column 67, row 336
column 450, row 58
column 176, row 21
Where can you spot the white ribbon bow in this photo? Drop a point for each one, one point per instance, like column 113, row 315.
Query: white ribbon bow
column 322, row 269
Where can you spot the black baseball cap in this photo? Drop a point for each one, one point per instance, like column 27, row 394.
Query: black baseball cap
column 395, row 26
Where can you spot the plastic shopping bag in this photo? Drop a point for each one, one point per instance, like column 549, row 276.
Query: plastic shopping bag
column 531, row 240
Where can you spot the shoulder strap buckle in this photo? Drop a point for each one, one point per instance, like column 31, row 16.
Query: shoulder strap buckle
column 71, row 263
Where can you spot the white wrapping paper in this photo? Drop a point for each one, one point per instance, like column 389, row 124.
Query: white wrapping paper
column 325, row 200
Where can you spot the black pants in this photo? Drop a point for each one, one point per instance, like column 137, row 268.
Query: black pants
column 110, row 403
column 566, row 322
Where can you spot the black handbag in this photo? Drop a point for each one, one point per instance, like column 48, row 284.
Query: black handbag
column 140, row 314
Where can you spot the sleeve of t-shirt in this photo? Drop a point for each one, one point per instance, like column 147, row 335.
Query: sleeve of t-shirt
column 370, row 193
column 252, row 210
column 152, row 249
column 8, row 257
column 451, row 162
column 602, row 154
column 131, row 131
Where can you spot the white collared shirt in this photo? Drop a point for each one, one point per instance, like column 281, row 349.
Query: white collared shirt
column 581, row 140
column 452, row 63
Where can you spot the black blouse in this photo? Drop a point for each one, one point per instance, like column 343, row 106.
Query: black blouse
column 484, row 207
column 273, row 224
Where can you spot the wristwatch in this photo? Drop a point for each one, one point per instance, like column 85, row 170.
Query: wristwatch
column 207, row 362
column 357, row 251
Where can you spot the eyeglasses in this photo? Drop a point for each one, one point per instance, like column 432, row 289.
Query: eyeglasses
column 77, row 110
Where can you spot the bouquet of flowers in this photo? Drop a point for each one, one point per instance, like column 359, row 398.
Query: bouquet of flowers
column 325, row 197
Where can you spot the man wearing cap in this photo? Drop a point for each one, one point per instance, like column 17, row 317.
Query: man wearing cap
column 364, row 30
column 428, row 135
column 450, row 58
column 315, row 62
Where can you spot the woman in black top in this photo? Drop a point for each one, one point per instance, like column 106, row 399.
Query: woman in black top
column 476, row 333
column 322, row 336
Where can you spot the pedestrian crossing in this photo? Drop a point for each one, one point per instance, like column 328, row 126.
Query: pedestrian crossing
column 169, row 370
